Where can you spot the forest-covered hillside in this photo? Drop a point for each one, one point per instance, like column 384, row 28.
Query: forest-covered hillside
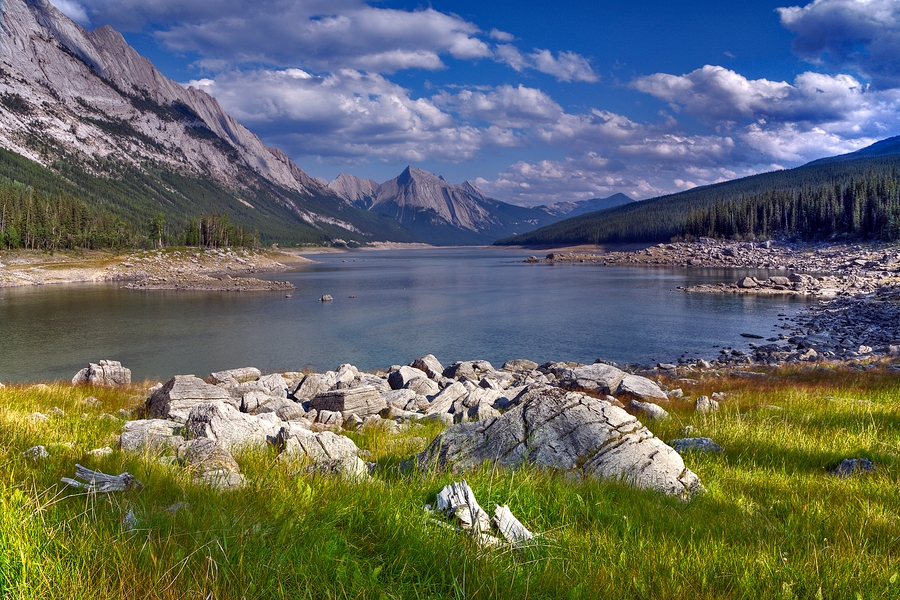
column 856, row 198
column 67, row 207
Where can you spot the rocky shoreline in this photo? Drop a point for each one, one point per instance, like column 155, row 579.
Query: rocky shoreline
column 574, row 418
column 857, row 285
column 210, row 269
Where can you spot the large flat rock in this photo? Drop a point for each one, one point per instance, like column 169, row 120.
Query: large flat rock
column 178, row 396
column 570, row 432
column 362, row 401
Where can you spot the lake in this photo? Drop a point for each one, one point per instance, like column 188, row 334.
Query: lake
column 390, row 307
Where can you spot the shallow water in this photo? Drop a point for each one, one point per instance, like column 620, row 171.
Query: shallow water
column 455, row 303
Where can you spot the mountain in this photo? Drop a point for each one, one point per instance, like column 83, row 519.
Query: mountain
column 443, row 213
column 91, row 110
column 580, row 207
column 886, row 147
column 854, row 196
column 359, row 192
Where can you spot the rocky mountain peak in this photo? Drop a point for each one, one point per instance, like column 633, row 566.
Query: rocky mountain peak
column 357, row 191
column 93, row 95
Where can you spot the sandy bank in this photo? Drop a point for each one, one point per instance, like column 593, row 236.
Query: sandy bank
column 167, row 269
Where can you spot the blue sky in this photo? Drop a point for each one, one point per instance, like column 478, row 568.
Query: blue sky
column 535, row 102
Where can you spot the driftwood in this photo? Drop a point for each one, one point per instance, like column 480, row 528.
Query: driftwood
column 95, row 481
column 510, row 527
column 458, row 500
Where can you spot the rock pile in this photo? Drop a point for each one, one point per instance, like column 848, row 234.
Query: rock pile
column 542, row 414
column 861, row 260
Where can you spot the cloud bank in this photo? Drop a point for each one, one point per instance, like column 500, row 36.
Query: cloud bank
column 319, row 79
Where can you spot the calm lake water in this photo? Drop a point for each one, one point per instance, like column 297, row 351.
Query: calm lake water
column 455, row 303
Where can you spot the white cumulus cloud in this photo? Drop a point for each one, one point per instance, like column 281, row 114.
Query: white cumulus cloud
column 565, row 66
column 863, row 35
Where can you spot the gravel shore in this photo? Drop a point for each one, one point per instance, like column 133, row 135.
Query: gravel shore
column 857, row 285
column 167, row 269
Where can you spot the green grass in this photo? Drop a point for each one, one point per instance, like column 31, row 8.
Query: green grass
column 773, row 523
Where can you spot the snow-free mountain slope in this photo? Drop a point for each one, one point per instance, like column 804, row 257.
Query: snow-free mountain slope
column 88, row 106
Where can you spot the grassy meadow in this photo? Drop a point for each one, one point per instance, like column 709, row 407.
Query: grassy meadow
column 772, row 524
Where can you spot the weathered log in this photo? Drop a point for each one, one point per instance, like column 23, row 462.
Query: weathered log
column 95, row 481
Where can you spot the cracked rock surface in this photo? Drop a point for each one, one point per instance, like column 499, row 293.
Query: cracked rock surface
column 570, row 432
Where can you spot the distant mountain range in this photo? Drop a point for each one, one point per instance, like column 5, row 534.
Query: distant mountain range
column 886, row 147
column 445, row 213
column 106, row 126
column 852, row 196
column 82, row 114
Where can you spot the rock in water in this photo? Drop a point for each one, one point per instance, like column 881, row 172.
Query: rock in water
column 569, row 432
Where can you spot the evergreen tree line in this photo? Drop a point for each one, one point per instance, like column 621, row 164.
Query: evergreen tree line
column 37, row 220
column 866, row 207
column 854, row 199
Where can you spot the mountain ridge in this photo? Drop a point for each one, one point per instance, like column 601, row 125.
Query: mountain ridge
column 85, row 105
column 855, row 196
column 432, row 208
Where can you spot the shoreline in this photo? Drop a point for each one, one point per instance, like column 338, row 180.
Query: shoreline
column 857, row 287
column 207, row 269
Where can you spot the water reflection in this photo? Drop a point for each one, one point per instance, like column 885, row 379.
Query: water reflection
column 458, row 304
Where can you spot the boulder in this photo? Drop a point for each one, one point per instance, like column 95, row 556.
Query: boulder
column 204, row 455
column 703, row 404
column 423, row 386
column 291, row 412
column 479, row 412
column 107, row 373
column 311, row 385
column 253, row 401
column 274, row 384
column 331, row 419
column 327, row 450
column 276, row 405
column 232, row 376
column 604, row 379
column 403, row 399
column 363, row 401
column 178, row 396
column 853, row 466
column 223, row 423
column 151, row 435
column 747, row 283
column 640, row 388
column 695, row 444
column 443, row 402
column 430, row 365
column 345, row 377
column 519, row 364
column 326, row 298
column 647, row 410
column 399, row 378
column 598, row 378
column 472, row 369
column 379, row 383
column 570, row 432
column 36, row 453
column 399, row 415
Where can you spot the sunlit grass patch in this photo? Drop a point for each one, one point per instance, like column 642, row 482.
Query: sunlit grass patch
column 773, row 523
